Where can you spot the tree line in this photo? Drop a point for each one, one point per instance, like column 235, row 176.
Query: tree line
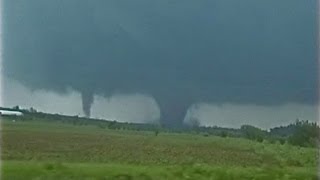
column 300, row 133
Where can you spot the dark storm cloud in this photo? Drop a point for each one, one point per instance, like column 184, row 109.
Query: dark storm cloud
column 180, row 52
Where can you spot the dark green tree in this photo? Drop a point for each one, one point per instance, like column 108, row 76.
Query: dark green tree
column 305, row 134
column 253, row 133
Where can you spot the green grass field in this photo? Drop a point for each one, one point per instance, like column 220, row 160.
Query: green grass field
column 54, row 150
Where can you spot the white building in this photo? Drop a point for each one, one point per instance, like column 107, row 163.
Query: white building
column 10, row 113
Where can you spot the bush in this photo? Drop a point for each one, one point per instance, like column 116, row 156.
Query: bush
column 259, row 139
column 253, row 133
column 206, row 134
column 272, row 140
column 223, row 134
column 156, row 132
column 102, row 125
column 305, row 134
column 282, row 141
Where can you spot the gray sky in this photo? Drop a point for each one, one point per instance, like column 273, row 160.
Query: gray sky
column 124, row 108
column 141, row 109
column 247, row 53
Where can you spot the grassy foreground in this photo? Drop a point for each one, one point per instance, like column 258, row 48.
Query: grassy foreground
column 32, row 170
column 54, row 150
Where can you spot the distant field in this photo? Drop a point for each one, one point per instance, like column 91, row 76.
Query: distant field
column 54, row 150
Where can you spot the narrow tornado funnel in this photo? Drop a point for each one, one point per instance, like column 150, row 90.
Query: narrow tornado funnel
column 87, row 100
